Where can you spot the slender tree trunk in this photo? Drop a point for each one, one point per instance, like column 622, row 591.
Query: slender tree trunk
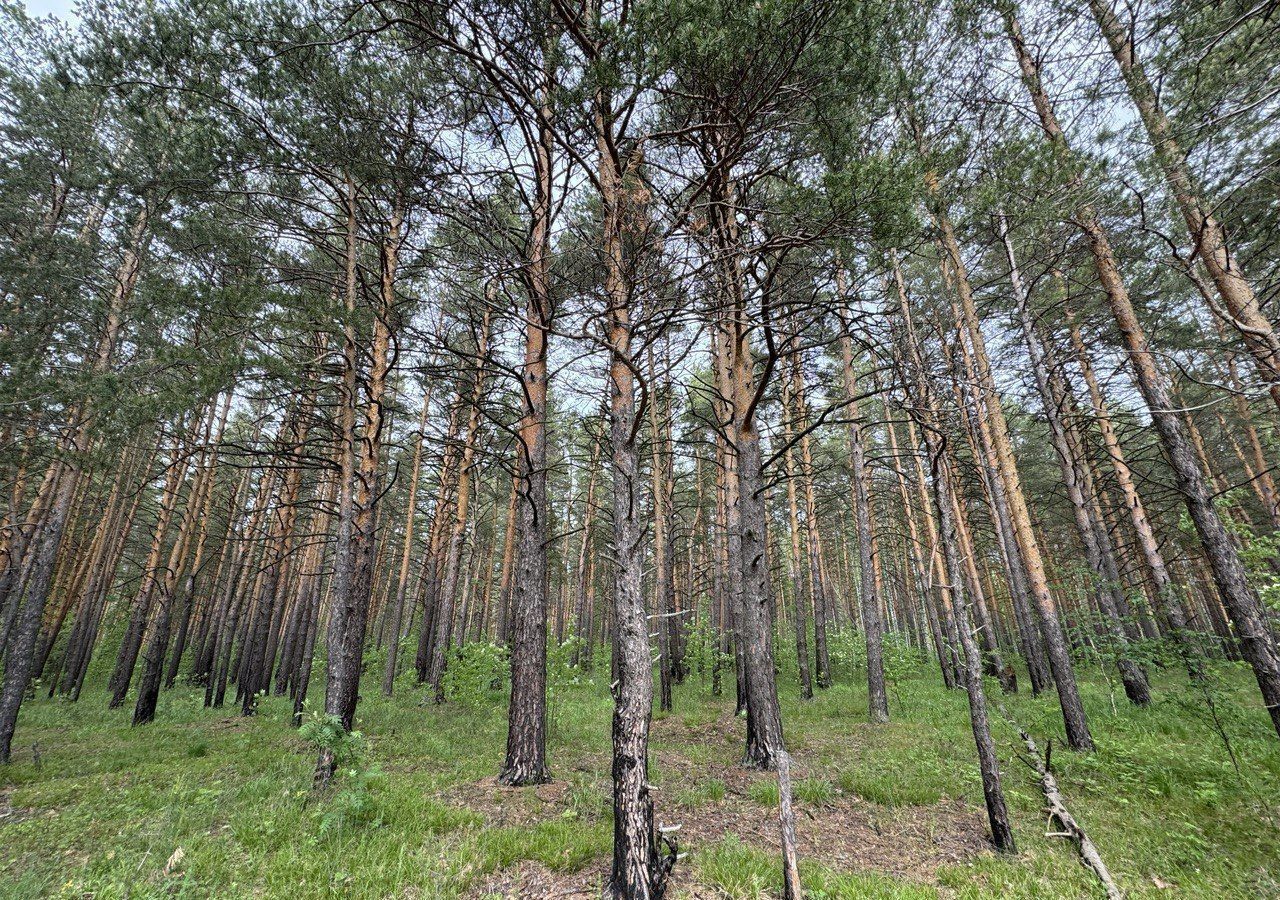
column 1208, row 236
column 153, row 576
column 1073, row 715
column 448, row 595
column 971, row 668
column 402, row 582
column 794, row 569
column 872, row 627
column 1053, row 403
column 1229, row 574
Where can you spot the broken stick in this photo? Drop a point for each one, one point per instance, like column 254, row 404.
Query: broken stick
column 787, row 824
column 1057, row 808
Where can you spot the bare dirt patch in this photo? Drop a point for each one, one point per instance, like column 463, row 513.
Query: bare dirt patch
column 843, row 833
column 501, row 805
column 533, row 880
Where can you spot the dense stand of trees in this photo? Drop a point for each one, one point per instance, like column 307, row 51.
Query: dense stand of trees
column 698, row 339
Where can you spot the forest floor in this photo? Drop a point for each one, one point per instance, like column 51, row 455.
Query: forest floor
column 203, row 803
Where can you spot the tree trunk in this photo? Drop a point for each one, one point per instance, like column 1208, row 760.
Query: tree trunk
column 872, row 627
column 1073, row 715
column 1229, row 574
column 525, row 761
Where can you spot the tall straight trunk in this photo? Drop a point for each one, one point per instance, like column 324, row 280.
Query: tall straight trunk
column 316, row 600
column 798, row 584
column 988, row 760
column 819, row 590
column 358, row 485
column 84, row 633
column 1257, row 645
column 526, row 757
column 1209, row 238
column 971, row 668
column 20, row 651
column 453, row 563
column 231, row 601
column 433, row 563
column 188, row 595
column 406, row 552
column 639, row 871
column 993, row 664
column 1073, row 715
column 82, row 592
column 1029, row 637
column 869, row 595
column 937, row 563
column 278, row 548
column 664, row 585
column 742, row 387
column 582, row 616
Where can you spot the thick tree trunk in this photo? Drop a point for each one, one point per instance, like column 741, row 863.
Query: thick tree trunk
column 357, row 489
column 526, row 758
column 639, row 871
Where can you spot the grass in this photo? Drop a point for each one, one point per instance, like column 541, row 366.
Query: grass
column 104, row 810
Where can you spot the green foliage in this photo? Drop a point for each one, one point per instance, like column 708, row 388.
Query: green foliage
column 324, row 731
column 848, row 651
column 476, row 674
column 702, row 647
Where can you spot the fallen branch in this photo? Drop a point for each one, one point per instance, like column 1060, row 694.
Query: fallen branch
column 1057, row 808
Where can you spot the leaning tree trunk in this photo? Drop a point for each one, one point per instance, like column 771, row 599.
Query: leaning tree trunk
column 1073, row 715
column 1243, row 606
column 140, row 611
column 1104, row 589
column 1209, row 238
column 971, row 668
